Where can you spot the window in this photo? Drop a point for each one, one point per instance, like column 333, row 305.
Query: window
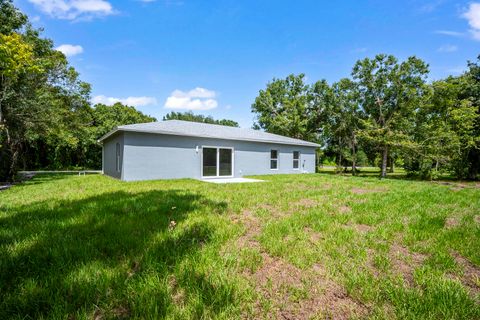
column 117, row 157
column 274, row 159
column 296, row 159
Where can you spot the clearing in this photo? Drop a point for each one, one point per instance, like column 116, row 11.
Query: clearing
column 292, row 247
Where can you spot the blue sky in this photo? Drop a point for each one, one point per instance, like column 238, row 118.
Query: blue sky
column 213, row 57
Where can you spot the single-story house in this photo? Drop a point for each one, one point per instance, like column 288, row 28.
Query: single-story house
column 181, row 149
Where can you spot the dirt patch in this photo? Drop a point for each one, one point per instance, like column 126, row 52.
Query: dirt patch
column 471, row 273
column 290, row 292
column 404, row 262
column 365, row 191
column 451, row 223
column 267, row 207
column 178, row 293
column 315, row 237
column 121, row 312
column 362, row 228
column 252, row 229
column 306, row 203
column 344, row 209
column 457, row 186
column 477, row 219
column 279, row 282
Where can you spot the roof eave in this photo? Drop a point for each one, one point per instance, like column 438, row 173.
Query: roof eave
column 115, row 130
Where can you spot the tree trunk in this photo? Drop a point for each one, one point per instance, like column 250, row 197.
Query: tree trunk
column 392, row 165
column 339, row 162
column 354, row 161
column 384, row 162
column 13, row 164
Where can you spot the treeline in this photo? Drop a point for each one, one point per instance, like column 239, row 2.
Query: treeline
column 46, row 120
column 386, row 113
column 190, row 116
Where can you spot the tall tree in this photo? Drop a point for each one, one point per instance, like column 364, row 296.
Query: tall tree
column 389, row 93
column 344, row 121
column 471, row 92
column 32, row 75
column 284, row 107
column 190, row 116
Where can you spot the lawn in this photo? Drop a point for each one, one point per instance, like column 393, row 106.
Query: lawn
column 296, row 246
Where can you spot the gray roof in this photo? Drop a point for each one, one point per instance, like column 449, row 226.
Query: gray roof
column 205, row 130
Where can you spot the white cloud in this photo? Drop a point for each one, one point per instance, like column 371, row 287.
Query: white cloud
column 448, row 48
column 130, row 101
column 473, row 17
column 69, row 50
column 195, row 99
column 450, row 33
column 74, row 9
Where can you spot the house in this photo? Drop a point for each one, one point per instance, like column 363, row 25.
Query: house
column 181, row 149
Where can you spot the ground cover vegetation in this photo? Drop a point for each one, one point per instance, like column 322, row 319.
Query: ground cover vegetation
column 334, row 246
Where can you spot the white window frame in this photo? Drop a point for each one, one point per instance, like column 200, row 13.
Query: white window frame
column 117, row 157
column 298, row 160
column 218, row 176
column 276, row 159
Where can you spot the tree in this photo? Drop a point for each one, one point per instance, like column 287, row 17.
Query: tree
column 190, row 116
column 284, row 107
column 344, row 117
column 471, row 91
column 33, row 76
column 12, row 19
column 389, row 94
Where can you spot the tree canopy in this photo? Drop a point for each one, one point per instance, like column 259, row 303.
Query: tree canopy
column 46, row 120
column 385, row 113
column 190, row 116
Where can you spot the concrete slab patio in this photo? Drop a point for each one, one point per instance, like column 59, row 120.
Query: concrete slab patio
column 231, row 180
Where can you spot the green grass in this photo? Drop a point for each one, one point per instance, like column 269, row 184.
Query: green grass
column 309, row 246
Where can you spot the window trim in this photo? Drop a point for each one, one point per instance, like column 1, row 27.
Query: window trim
column 274, row 159
column 218, row 176
column 298, row 160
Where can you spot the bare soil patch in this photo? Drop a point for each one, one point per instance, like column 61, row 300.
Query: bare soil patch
column 365, row 191
column 451, row 222
column 178, row 293
column 477, row 219
column 306, row 203
column 277, row 280
column 293, row 293
column 471, row 273
column 252, row 229
column 404, row 262
column 362, row 228
column 315, row 237
column 344, row 209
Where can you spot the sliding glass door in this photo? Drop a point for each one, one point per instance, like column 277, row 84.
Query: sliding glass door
column 209, row 162
column 217, row 162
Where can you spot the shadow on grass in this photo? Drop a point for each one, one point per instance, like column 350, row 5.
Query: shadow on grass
column 69, row 257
